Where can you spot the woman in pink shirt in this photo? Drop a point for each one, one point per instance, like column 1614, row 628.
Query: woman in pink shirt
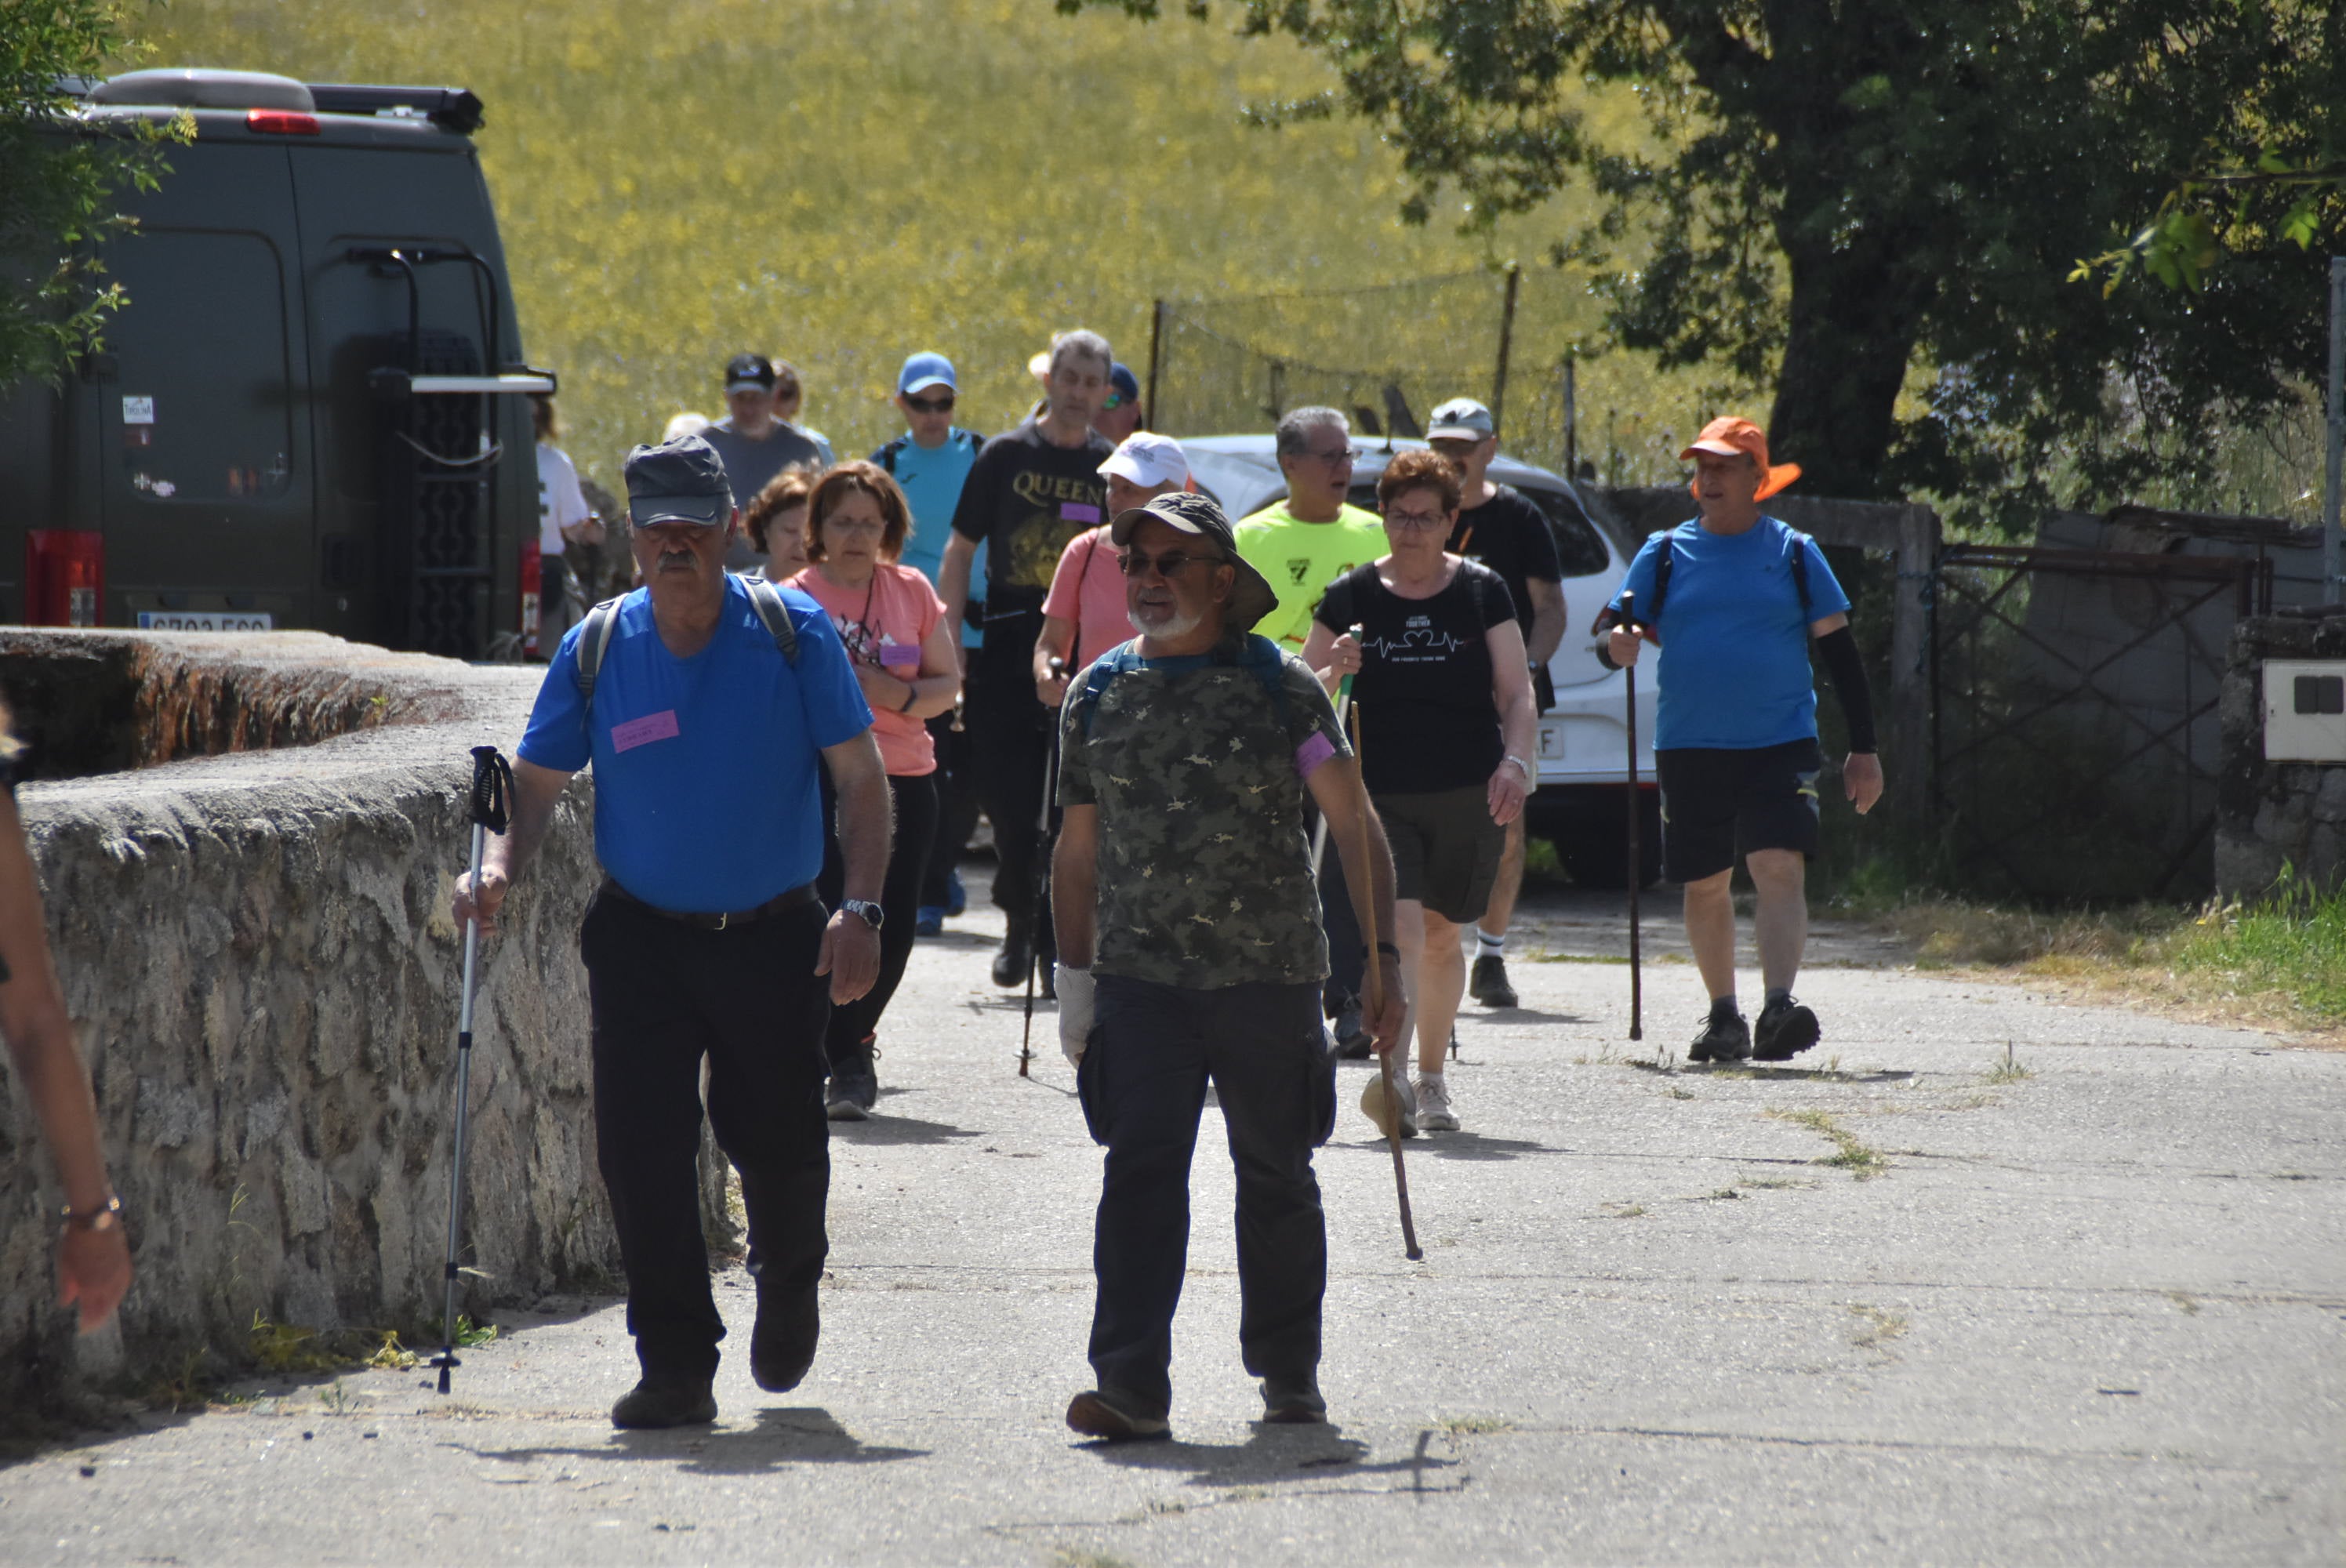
column 906, row 661
column 1085, row 610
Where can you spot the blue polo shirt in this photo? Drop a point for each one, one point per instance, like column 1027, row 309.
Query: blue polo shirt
column 706, row 781
column 1735, row 673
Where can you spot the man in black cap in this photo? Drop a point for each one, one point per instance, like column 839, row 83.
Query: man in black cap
column 706, row 703
column 1191, row 951
column 755, row 444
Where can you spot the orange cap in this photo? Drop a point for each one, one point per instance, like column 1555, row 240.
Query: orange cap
column 1729, row 435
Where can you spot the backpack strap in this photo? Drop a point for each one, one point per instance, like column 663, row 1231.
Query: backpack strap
column 1667, row 558
column 767, row 599
column 594, row 641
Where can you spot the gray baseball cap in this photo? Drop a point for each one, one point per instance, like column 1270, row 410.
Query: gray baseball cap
column 680, row 481
column 1251, row 598
column 1460, row 419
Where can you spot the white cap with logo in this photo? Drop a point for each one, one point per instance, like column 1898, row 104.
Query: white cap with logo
column 1149, row 460
column 1460, row 419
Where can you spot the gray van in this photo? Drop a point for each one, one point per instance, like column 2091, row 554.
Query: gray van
column 311, row 413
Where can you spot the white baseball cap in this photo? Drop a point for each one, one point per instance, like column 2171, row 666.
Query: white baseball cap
column 1149, row 460
column 1460, row 419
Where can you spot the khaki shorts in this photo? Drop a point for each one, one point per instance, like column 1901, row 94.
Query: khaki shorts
column 1445, row 849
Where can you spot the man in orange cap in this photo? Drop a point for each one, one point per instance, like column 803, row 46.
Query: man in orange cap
column 1732, row 598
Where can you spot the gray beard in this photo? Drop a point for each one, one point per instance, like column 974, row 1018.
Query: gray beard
column 1176, row 625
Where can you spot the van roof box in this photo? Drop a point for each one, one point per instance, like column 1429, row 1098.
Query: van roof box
column 198, row 88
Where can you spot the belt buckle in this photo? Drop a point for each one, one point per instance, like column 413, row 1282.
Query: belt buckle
column 723, row 919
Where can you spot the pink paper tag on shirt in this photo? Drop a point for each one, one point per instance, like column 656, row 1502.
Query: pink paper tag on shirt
column 651, row 726
column 1076, row 511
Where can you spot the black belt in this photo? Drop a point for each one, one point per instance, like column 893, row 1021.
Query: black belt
column 781, row 904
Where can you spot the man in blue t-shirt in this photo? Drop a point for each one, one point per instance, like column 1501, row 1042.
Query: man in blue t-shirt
column 706, row 939
column 930, row 462
column 1736, row 747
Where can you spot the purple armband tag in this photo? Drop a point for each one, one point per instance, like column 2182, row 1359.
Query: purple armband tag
column 1311, row 753
column 1076, row 511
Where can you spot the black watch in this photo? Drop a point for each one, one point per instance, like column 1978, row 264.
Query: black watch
column 871, row 913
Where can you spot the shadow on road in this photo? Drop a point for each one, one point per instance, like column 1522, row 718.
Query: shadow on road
column 1277, row 1453
column 807, row 1435
column 892, row 1129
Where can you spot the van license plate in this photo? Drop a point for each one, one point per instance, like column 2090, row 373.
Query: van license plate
column 206, row 621
column 1551, row 742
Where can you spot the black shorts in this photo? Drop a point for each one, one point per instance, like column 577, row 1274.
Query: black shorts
column 1446, row 849
column 1718, row 804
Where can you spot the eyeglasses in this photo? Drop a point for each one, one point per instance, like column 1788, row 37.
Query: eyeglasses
column 857, row 525
column 1343, row 457
column 930, row 404
column 1417, row 521
column 1170, row 565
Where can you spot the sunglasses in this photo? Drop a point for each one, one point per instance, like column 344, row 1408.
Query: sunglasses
column 1115, row 400
column 930, row 404
column 1170, row 565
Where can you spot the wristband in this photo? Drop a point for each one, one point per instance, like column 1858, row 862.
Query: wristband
column 1528, row 774
column 106, row 1217
column 1388, row 949
column 911, row 696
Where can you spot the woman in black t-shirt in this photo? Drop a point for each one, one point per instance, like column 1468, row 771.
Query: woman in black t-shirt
column 1445, row 711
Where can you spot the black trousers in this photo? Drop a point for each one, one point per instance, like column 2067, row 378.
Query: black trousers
column 663, row 995
column 956, row 808
column 1143, row 1081
column 846, row 1043
column 1014, row 742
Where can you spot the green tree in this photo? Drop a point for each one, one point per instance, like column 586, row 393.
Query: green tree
column 56, row 191
column 1879, row 206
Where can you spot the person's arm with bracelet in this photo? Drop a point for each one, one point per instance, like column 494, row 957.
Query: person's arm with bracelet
column 1861, row 773
column 1516, row 776
column 937, row 684
column 93, row 1253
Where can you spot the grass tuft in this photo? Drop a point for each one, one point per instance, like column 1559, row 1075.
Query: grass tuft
column 1861, row 1161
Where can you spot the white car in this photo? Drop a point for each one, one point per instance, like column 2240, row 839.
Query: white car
column 1583, row 746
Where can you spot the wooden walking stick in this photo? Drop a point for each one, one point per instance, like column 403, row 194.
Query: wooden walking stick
column 1374, row 980
column 1636, row 820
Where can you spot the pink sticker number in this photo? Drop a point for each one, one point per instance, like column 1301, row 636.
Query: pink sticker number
column 1076, row 511
column 651, row 726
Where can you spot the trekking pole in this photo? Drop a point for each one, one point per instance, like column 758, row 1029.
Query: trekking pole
column 1042, row 887
column 492, row 795
column 1374, row 980
column 1636, row 820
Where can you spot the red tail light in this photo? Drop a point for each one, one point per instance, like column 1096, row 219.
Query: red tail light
column 280, row 122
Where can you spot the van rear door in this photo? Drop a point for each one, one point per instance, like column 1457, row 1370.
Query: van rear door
column 204, row 424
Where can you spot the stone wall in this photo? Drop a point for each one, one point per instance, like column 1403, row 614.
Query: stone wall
column 2270, row 814
column 257, row 953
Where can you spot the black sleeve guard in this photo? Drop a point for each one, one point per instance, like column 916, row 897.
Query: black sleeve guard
column 1847, row 672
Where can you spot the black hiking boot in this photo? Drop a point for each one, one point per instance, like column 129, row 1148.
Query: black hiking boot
column 1118, row 1417
column 1725, row 1037
column 1293, row 1401
column 1488, row 982
column 1785, row 1030
column 666, row 1400
column 781, row 1347
column 1017, row 952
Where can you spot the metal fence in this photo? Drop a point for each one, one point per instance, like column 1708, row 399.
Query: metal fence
column 2073, row 728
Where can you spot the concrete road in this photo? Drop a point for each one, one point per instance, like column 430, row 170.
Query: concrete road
column 1901, row 1303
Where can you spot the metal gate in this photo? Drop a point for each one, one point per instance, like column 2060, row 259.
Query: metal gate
column 2073, row 728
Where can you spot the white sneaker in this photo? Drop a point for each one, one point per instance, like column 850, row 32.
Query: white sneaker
column 1373, row 1103
column 1434, row 1111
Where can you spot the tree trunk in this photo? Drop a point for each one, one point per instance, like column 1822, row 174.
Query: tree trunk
column 1854, row 317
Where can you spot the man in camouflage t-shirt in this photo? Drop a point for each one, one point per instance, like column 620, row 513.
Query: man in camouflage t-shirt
column 1191, row 952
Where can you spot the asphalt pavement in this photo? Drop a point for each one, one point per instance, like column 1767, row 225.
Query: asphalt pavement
column 1983, row 1279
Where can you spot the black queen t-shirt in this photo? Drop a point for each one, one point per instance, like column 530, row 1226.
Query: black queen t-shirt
column 1428, row 720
